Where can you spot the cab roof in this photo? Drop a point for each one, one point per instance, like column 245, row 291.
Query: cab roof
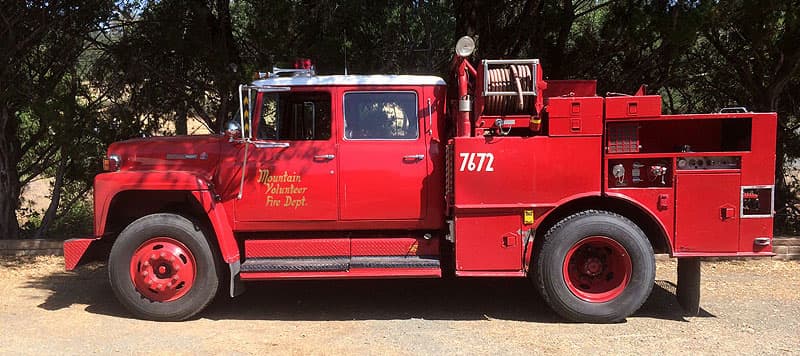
column 322, row 80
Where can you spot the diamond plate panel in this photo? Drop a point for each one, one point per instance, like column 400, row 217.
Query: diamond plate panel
column 297, row 248
column 395, row 246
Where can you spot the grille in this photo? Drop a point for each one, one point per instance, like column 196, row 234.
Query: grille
column 623, row 138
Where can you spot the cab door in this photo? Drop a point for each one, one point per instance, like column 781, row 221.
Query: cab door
column 291, row 163
column 382, row 156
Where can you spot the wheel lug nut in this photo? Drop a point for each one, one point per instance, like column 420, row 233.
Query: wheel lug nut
column 146, row 263
column 153, row 257
column 163, row 255
column 145, row 273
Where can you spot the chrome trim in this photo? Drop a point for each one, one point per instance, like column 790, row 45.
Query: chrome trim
column 181, row 156
column 430, row 117
column 244, row 170
column 733, row 109
column 325, row 157
column 355, row 80
column 762, row 241
column 362, row 91
column 116, row 159
column 271, row 144
column 451, row 231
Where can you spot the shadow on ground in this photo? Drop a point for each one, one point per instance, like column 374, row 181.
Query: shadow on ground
column 449, row 299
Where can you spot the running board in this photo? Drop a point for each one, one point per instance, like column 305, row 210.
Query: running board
column 341, row 267
column 393, row 262
column 292, row 264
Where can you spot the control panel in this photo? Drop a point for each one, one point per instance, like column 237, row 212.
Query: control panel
column 708, row 162
column 648, row 172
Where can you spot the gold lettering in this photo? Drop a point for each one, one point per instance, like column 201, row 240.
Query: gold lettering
column 263, row 174
column 272, row 201
column 296, row 203
column 283, row 195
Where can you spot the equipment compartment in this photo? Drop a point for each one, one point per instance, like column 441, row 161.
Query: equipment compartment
column 705, row 212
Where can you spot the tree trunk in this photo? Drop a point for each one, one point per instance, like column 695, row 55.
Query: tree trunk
column 466, row 18
column 181, row 125
column 9, row 177
column 228, row 77
column 52, row 209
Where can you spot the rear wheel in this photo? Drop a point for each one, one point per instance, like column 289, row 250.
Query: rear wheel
column 595, row 266
column 161, row 267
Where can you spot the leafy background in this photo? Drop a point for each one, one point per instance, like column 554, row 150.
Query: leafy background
column 76, row 75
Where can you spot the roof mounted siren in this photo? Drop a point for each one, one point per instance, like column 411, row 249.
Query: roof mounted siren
column 303, row 67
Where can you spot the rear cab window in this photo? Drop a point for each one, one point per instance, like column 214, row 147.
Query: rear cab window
column 381, row 116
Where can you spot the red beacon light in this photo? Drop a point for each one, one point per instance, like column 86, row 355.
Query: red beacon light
column 302, row 67
column 303, row 63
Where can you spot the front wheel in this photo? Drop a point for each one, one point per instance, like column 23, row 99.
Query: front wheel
column 595, row 266
column 161, row 267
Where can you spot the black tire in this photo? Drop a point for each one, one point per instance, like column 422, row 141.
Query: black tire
column 572, row 232
column 143, row 232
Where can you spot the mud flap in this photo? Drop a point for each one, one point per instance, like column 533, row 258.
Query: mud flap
column 75, row 251
column 688, row 291
column 237, row 287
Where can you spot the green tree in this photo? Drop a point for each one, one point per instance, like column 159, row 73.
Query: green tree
column 40, row 43
column 172, row 59
column 749, row 55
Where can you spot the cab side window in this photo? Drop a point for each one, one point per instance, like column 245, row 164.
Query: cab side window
column 295, row 116
column 381, row 116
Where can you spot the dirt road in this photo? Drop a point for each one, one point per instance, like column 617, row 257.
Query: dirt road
column 749, row 307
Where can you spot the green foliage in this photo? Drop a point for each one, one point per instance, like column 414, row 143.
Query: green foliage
column 95, row 71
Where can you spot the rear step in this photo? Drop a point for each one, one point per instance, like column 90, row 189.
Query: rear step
column 338, row 264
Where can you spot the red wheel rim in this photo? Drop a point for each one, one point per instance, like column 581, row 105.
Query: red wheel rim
column 162, row 269
column 597, row 269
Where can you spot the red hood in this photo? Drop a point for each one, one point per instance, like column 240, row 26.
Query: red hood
column 198, row 154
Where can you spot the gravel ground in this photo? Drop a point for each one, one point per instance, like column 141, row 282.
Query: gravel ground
column 749, row 307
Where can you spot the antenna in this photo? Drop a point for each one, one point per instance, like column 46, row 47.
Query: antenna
column 345, row 52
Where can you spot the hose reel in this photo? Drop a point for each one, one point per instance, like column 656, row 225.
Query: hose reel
column 509, row 87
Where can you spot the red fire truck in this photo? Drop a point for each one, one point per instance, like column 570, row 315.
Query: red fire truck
column 395, row 176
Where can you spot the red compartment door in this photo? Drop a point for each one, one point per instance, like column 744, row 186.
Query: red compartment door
column 488, row 243
column 707, row 213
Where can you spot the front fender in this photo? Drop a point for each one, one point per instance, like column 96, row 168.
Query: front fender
column 108, row 185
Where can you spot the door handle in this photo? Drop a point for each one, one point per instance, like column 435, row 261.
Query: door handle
column 413, row 157
column 327, row 157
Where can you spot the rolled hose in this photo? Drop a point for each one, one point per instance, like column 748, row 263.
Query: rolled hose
column 514, row 78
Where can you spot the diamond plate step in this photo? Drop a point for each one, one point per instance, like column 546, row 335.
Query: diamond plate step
column 317, row 264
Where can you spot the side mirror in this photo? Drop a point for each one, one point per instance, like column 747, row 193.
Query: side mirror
column 233, row 129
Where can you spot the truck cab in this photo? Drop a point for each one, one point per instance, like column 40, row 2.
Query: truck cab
column 339, row 153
